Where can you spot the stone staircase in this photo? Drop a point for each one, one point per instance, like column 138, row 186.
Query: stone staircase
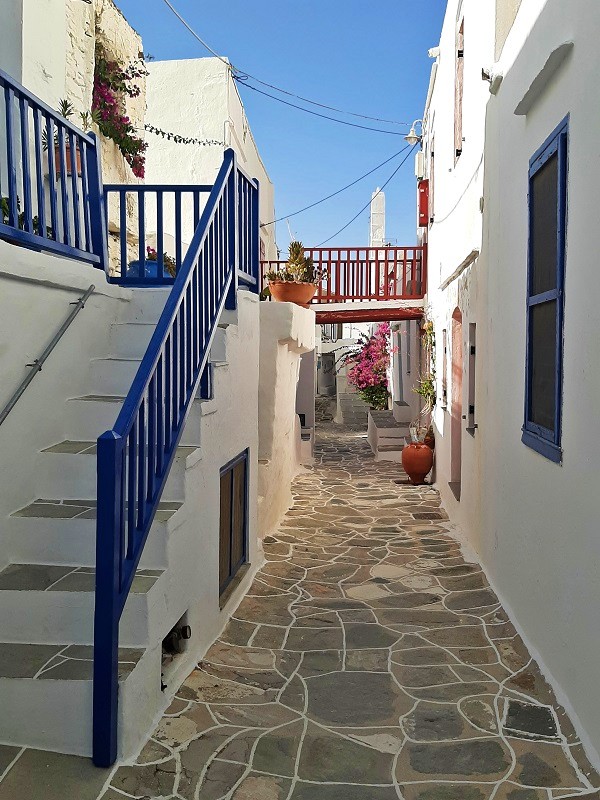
column 352, row 411
column 47, row 572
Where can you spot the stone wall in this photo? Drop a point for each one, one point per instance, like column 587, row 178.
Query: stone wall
column 102, row 22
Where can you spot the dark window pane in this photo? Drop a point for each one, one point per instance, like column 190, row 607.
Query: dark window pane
column 225, row 531
column 544, row 199
column 238, row 544
column 543, row 364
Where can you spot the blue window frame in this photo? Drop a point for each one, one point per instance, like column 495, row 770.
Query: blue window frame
column 545, row 295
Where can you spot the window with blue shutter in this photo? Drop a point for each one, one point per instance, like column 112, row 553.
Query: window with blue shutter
column 545, row 295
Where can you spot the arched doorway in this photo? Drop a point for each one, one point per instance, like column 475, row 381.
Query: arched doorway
column 456, row 403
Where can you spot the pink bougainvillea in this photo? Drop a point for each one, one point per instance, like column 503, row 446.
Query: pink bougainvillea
column 111, row 83
column 368, row 370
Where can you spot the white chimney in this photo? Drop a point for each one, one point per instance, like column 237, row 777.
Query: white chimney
column 377, row 229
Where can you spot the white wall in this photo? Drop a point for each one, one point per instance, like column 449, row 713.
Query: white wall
column 286, row 331
column 197, row 98
column 455, row 236
column 533, row 523
column 540, row 519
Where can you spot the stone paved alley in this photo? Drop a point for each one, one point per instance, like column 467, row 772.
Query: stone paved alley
column 368, row 662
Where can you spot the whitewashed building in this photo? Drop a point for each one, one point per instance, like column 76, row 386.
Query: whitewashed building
column 510, row 131
column 209, row 373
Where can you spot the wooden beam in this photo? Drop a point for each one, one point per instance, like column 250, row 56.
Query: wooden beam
column 326, row 317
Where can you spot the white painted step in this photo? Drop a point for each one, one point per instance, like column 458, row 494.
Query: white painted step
column 64, row 474
column 46, row 695
column 50, row 604
column 91, row 415
column 130, row 339
column 60, row 532
column 146, row 305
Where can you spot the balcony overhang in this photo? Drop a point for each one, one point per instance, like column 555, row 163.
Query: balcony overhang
column 355, row 312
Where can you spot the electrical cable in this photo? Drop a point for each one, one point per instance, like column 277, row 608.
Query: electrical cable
column 339, row 191
column 317, row 114
column 243, row 75
column 404, row 160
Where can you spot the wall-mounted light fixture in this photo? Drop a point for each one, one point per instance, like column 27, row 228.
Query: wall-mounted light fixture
column 413, row 137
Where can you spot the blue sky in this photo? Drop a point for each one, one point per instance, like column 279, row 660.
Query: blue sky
column 370, row 58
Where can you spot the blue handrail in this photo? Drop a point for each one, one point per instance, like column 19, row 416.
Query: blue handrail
column 157, row 211
column 134, row 457
column 51, row 189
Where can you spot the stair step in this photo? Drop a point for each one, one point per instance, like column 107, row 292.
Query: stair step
column 42, row 685
column 82, row 509
column 66, row 468
column 89, row 416
column 72, row 662
column 51, row 603
column 71, row 540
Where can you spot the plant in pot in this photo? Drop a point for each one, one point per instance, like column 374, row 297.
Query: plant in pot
column 417, row 456
column 35, row 221
column 149, row 267
column 86, row 119
column 296, row 281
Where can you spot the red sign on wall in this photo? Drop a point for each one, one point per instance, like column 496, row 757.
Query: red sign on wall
column 423, row 203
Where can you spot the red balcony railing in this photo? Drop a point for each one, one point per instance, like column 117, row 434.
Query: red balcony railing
column 366, row 273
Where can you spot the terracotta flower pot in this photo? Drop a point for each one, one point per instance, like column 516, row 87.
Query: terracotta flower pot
column 417, row 460
column 429, row 440
column 68, row 159
column 293, row 292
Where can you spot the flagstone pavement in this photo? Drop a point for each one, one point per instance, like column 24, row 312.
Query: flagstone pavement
column 369, row 661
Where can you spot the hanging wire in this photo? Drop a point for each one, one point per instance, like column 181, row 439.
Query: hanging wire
column 242, row 76
column 339, row 191
column 318, row 114
column 404, row 160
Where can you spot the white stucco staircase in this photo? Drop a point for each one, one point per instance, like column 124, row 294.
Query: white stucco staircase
column 47, row 589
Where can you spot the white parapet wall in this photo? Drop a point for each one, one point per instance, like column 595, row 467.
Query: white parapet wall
column 198, row 99
column 286, row 332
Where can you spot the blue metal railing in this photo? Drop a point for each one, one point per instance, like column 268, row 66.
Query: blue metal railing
column 50, row 181
column 134, row 458
column 160, row 217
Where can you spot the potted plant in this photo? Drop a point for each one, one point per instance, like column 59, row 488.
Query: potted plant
column 417, row 456
column 295, row 282
column 87, row 118
column 5, row 216
column 149, row 267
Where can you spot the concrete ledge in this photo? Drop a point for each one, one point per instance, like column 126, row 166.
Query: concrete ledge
column 55, row 272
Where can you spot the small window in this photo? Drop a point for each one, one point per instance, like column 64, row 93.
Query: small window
column 471, row 396
column 545, row 284
column 233, row 526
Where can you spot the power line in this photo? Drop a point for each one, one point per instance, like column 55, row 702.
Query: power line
column 339, row 191
column 243, row 75
column 316, row 113
column 404, row 160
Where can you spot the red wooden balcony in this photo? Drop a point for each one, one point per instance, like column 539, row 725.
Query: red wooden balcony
column 355, row 274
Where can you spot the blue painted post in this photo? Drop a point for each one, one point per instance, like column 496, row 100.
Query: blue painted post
column 108, row 598
column 232, row 231
column 97, row 210
column 255, row 239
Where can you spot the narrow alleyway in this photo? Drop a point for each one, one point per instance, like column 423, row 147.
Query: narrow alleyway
column 368, row 662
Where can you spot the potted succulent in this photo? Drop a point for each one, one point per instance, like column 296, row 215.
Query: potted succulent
column 87, row 118
column 417, row 456
column 296, row 281
column 149, row 267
